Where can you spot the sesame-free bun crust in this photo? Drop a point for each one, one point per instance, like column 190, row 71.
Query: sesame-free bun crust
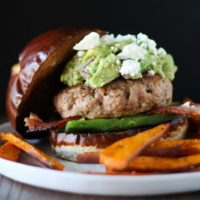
column 70, row 145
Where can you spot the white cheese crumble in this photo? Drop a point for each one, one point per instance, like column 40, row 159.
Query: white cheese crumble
column 130, row 69
column 90, row 41
column 140, row 44
column 120, row 37
column 161, row 52
column 142, row 37
column 145, row 42
column 132, row 51
column 107, row 39
column 131, row 54
column 151, row 72
column 152, row 46
column 80, row 53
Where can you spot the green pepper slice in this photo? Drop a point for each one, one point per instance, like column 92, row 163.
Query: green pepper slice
column 116, row 124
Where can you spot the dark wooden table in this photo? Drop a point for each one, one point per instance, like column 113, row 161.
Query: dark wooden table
column 12, row 190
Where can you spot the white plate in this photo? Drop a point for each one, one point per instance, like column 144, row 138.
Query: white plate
column 72, row 180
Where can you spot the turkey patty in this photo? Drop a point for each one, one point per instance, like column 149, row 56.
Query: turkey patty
column 119, row 98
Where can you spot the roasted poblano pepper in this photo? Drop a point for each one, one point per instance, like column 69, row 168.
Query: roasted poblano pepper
column 116, row 124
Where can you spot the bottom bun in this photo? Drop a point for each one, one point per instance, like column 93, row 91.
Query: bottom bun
column 70, row 145
column 82, row 147
column 73, row 152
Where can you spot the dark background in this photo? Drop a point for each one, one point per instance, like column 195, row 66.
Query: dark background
column 174, row 24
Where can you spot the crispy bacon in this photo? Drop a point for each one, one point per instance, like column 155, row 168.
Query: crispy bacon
column 35, row 124
column 188, row 109
column 32, row 121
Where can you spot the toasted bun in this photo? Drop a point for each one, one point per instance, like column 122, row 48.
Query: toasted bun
column 70, row 145
column 36, row 78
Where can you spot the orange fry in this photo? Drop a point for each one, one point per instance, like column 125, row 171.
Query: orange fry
column 119, row 154
column 31, row 150
column 88, row 157
column 174, row 148
column 9, row 152
column 124, row 173
column 160, row 164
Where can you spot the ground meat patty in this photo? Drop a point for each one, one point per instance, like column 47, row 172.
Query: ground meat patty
column 119, row 98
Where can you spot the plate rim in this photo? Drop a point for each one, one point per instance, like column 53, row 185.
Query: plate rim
column 82, row 178
column 187, row 181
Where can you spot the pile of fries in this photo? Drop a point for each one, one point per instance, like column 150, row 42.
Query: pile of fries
column 146, row 153
column 155, row 150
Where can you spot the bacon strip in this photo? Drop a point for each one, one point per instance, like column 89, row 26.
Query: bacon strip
column 192, row 103
column 35, row 124
column 188, row 109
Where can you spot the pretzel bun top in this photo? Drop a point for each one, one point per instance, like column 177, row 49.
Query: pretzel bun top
column 35, row 79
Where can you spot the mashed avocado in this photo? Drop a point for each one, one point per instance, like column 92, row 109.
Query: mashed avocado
column 107, row 60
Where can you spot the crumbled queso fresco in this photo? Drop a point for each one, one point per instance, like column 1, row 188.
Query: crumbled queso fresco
column 131, row 55
column 100, row 60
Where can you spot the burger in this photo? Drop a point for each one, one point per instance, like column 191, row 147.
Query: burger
column 88, row 88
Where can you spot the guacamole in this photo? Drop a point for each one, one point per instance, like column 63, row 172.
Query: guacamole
column 110, row 57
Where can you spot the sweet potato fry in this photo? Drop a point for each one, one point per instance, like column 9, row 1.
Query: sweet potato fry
column 9, row 152
column 158, row 164
column 119, row 154
column 31, row 150
column 165, row 148
column 175, row 148
column 88, row 157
